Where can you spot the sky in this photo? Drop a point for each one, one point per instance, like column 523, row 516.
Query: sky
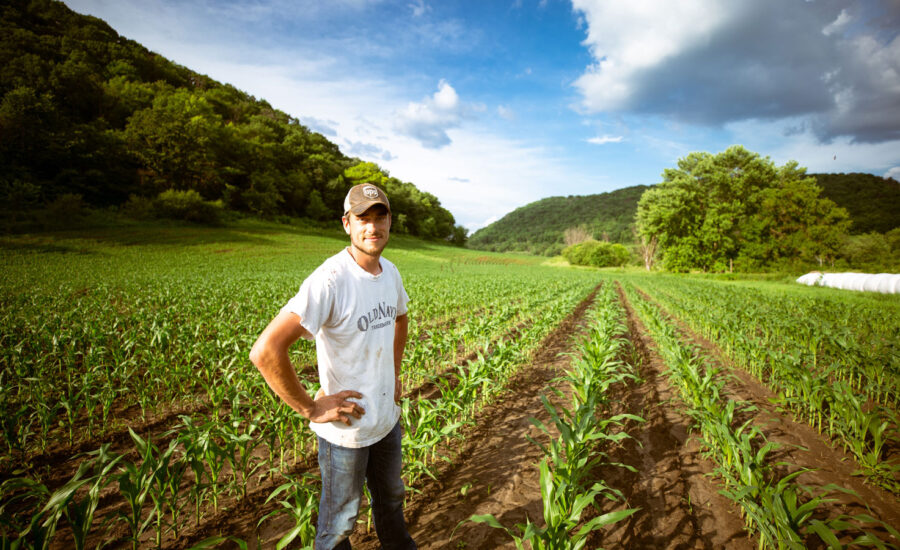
column 493, row 104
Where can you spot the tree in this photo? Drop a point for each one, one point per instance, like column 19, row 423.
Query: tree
column 175, row 138
column 596, row 254
column 715, row 210
column 458, row 236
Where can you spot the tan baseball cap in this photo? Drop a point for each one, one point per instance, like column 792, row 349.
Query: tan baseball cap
column 362, row 197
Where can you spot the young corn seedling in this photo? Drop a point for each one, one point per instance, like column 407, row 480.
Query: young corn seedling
column 562, row 517
column 135, row 483
column 300, row 502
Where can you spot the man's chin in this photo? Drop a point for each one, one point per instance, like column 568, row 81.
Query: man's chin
column 370, row 249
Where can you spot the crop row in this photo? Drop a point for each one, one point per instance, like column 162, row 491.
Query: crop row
column 77, row 364
column 577, row 437
column 781, row 512
column 172, row 481
column 795, row 357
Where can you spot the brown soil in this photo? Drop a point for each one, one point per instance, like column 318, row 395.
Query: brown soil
column 494, row 469
column 802, row 445
column 680, row 504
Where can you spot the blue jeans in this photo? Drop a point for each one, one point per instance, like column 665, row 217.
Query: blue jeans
column 343, row 472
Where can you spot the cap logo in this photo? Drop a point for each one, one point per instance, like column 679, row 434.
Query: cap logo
column 370, row 191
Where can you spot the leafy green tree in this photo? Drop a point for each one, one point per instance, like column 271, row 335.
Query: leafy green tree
column 316, row 208
column 84, row 111
column 175, row 138
column 867, row 251
column 793, row 224
column 597, row 254
column 714, row 210
column 458, row 236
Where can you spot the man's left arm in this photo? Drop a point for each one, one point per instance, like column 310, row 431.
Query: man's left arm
column 401, row 330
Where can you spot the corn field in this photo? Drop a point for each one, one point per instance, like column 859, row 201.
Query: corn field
column 132, row 417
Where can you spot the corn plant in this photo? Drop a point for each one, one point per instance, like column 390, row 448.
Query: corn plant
column 300, row 502
column 821, row 372
column 69, row 501
column 135, row 484
column 774, row 506
column 573, row 454
column 563, row 528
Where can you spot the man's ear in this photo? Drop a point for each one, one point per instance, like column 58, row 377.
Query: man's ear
column 345, row 220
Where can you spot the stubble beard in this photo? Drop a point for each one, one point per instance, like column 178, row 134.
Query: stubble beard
column 372, row 250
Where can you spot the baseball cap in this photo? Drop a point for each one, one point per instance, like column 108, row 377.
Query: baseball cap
column 362, row 197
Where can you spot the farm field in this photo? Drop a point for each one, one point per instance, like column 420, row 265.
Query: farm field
column 681, row 412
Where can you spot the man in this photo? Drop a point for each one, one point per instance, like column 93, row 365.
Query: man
column 354, row 305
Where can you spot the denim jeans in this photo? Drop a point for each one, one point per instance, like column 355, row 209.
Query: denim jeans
column 343, row 472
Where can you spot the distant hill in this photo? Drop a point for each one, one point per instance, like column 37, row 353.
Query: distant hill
column 88, row 115
column 872, row 201
column 539, row 228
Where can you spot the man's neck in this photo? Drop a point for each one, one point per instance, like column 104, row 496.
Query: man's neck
column 371, row 264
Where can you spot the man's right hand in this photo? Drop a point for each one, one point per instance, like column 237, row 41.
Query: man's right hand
column 336, row 408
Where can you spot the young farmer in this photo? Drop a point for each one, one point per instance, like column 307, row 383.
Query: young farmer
column 354, row 305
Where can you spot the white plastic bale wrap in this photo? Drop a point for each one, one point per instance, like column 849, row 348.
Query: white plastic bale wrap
column 886, row 283
column 810, row 279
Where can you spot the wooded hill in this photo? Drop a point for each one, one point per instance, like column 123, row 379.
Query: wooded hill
column 90, row 117
column 539, row 227
column 873, row 203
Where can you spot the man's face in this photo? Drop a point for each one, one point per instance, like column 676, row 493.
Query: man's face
column 370, row 230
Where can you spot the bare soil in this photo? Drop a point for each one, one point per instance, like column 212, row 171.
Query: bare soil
column 802, row 445
column 494, row 468
column 496, row 471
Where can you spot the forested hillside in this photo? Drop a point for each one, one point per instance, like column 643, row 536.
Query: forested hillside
column 539, row 227
column 90, row 117
column 872, row 202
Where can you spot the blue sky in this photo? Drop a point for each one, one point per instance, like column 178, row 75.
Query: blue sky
column 490, row 105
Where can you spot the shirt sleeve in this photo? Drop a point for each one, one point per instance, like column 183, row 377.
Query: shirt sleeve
column 313, row 302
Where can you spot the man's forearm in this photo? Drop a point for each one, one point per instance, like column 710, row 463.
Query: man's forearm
column 280, row 375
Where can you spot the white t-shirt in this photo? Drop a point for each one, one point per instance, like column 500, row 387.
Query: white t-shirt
column 351, row 314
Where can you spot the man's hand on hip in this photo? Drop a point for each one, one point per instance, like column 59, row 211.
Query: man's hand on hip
column 331, row 408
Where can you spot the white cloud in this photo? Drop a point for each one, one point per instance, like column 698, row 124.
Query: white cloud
column 708, row 62
column 893, row 173
column 626, row 38
column 481, row 175
column 505, row 112
column 838, row 25
column 602, row 140
column 429, row 120
column 840, row 155
column 324, row 127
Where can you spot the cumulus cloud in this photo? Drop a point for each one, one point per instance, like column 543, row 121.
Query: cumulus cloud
column 429, row 120
column 709, row 62
column 893, row 173
column 602, row 140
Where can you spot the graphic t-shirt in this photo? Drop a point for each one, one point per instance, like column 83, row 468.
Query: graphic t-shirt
column 351, row 313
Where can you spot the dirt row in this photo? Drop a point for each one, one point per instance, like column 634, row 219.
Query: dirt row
column 680, row 506
column 801, row 445
column 494, row 469
column 496, row 472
